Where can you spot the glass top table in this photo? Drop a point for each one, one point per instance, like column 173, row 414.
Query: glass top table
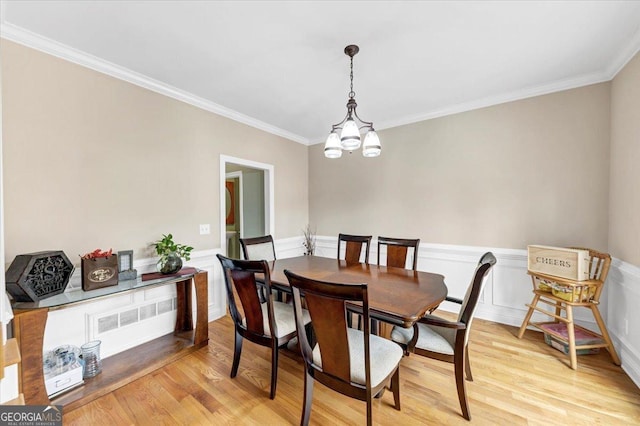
column 77, row 295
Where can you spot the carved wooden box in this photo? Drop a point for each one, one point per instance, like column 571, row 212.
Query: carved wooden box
column 36, row 276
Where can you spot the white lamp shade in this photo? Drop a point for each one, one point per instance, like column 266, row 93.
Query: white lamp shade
column 332, row 148
column 350, row 136
column 371, row 146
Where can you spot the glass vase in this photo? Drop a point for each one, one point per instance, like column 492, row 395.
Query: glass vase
column 91, row 358
column 169, row 264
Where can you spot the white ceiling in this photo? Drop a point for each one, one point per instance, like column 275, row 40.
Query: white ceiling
column 280, row 66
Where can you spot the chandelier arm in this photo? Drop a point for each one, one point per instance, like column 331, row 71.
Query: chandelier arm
column 339, row 124
column 366, row 124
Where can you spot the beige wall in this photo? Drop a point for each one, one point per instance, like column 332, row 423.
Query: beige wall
column 94, row 162
column 91, row 161
column 624, row 198
column 531, row 171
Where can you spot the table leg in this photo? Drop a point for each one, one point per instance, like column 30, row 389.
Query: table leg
column 184, row 319
column 28, row 327
column 201, row 282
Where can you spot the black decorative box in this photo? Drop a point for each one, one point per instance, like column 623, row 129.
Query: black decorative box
column 36, row 276
column 99, row 272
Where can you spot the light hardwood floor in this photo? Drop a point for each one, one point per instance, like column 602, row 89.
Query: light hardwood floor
column 516, row 382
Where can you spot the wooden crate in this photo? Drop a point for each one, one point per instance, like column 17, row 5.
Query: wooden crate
column 561, row 262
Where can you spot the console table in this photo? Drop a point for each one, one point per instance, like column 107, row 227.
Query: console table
column 29, row 325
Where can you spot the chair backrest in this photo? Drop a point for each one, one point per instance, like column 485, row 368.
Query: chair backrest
column 327, row 305
column 258, row 248
column 599, row 264
column 354, row 247
column 240, row 275
column 470, row 301
column 397, row 251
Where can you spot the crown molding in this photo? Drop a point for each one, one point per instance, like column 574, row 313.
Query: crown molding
column 545, row 89
column 517, row 95
column 608, row 74
column 625, row 55
column 22, row 36
column 35, row 41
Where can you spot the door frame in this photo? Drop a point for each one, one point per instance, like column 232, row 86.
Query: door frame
column 269, row 194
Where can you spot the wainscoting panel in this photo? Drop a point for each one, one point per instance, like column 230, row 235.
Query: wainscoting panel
column 623, row 319
column 508, row 289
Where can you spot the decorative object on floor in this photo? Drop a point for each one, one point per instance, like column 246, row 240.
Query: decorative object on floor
column 36, row 276
column 99, row 269
column 171, row 254
column 125, row 266
column 309, row 242
column 561, row 291
column 349, row 138
column 91, row 358
column 62, row 369
column 583, row 336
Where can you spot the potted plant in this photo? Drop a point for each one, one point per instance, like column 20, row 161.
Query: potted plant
column 309, row 241
column 171, row 254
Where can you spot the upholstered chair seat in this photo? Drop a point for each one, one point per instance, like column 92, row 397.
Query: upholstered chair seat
column 284, row 318
column 387, row 357
column 430, row 337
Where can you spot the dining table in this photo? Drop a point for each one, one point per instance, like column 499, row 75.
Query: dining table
column 397, row 296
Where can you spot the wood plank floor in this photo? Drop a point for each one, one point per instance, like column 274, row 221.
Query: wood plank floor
column 516, row 382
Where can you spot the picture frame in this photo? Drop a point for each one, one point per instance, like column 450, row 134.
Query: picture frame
column 125, row 266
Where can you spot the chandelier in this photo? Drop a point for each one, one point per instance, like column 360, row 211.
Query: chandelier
column 349, row 138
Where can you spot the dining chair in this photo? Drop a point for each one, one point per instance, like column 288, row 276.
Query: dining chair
column 444, row 340
column 352, row 362
column 258, row 248
column 353, row 247
column 269, row 323
column 261, row 248
column 397, row 250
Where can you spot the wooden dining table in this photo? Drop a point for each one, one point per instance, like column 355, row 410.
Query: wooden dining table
column 397, row 296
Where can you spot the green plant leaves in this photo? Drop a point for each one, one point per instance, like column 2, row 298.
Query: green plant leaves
column 166, row 245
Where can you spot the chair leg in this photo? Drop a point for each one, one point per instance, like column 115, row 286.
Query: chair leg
column 274, row 371
column 308, row 398
column 395, row 388
column 237, row 350
column 527, row 318
column 458, row 367
column 467, row 365
column 369, row 411
column 605, row 334
column 573, row 359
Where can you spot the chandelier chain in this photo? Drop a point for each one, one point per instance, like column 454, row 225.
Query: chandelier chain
column 352, row 94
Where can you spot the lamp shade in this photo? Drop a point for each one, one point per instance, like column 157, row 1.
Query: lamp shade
column 332, row 148
column 371, row 146
column 350, row 136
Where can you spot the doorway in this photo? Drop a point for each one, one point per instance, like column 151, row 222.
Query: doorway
column 246, row 202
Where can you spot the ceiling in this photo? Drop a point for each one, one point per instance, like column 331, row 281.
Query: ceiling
column 280, row 66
